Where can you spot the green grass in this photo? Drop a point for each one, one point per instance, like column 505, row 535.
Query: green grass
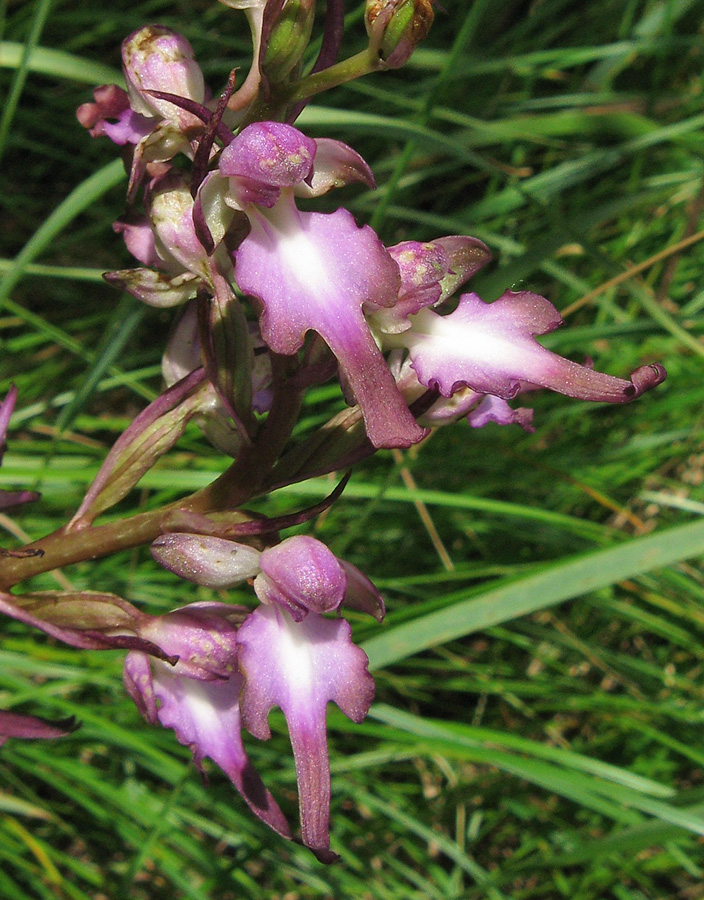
column 540, row 703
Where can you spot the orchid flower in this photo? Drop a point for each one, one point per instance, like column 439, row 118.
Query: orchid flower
column 482, row 354
column 155, row 60
column 198, row 696
column 312, row 271
column 490, row 348
column 288, row 655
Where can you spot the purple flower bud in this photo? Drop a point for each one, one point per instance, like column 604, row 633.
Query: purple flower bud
column 202, row 636
column 302, row 576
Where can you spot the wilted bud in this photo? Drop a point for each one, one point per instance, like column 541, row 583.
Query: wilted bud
column 396, row 27
column 156, row 58
column 286, row 37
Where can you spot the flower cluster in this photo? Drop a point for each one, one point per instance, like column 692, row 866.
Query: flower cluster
column 208, row 670
column 275, row 299
column 240, row 232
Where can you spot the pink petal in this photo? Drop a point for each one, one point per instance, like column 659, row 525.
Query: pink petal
column 139, row 240
column 300, row 667
column 490, row 348
column 494, row 409
column 6, row 409
column 361, row 594
column 313, row 271
column 205, row 716
column 335, row 165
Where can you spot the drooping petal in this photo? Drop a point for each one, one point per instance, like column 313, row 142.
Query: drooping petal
column 300, row 667
column 302, row 575
column 336, row 164
column 490, row 348
column 14, row 725
column 138, row 236
column 494, row 409
column 313, row 271
column 361, row 594
column 205, row 717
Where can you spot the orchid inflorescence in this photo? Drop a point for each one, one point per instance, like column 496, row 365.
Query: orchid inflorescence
column 273, row 300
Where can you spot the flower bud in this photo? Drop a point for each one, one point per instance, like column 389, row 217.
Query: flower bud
column 396, row 27
column 207, row 560
column 203, row 636
column 156, row 58
column 287, row 38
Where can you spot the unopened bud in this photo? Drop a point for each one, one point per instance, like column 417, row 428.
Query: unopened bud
column 286, row 38
column 205, row 559
column 396, row 27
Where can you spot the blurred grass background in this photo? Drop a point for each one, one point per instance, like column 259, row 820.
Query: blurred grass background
column 540, row 682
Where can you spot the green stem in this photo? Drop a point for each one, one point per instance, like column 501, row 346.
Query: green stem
column 284, row 97
column 363, row 63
